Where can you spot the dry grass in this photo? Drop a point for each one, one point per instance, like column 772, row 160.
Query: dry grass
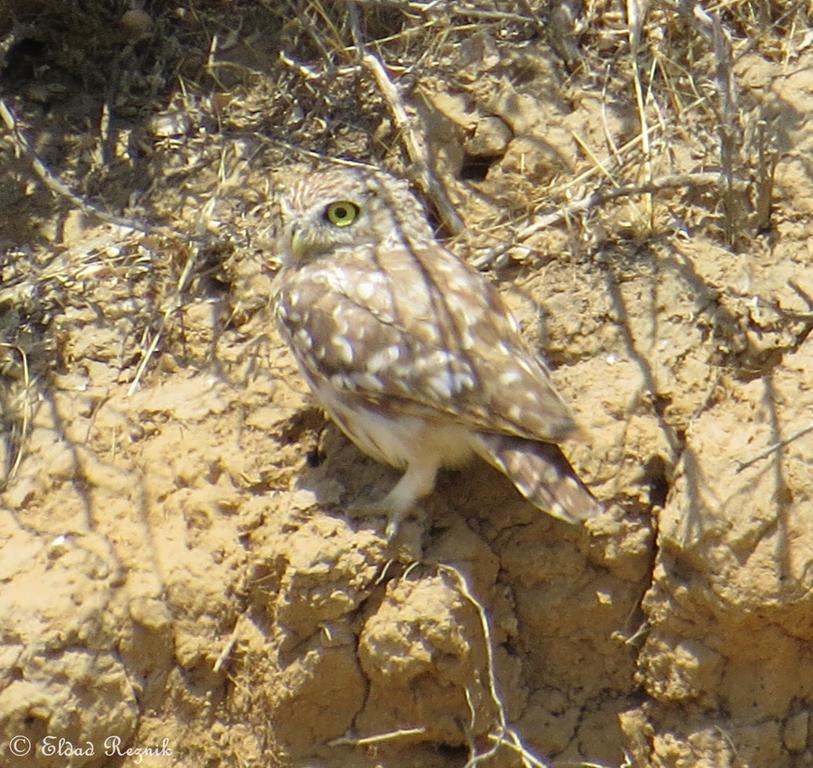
column 200, row 98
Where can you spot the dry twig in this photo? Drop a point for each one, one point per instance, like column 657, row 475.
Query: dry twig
column 728, row 115
column 229, row 647
column 505, row 735
column 172, row 306
column 363, row 741
column 496, row 258
column 415, row 147
column 773, row 448
column 60, row 189
column 434, row 7
column 27, row 412
column 634, row 23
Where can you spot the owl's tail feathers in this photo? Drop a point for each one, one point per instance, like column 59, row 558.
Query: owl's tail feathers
column 541, row 473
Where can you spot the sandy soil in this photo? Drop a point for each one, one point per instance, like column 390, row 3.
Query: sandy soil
column 178, row 569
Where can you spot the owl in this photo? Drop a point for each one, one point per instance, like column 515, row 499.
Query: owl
column 412, row 352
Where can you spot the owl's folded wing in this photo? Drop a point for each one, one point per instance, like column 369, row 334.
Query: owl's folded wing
column 433, row 345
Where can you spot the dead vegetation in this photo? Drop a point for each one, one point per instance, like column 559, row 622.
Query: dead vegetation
column 639, row 169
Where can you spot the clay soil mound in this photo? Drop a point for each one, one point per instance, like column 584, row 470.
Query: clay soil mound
column 181, row 582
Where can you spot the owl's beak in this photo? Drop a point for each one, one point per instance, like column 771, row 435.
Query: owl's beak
column 298, row 243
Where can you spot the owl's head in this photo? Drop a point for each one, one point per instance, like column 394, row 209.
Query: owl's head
column 344, row 207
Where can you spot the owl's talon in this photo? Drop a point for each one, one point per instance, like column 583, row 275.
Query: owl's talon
column 391, row 531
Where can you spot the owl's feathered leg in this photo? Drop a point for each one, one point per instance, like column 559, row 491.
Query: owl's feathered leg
column 540, row 472
column 418, row 481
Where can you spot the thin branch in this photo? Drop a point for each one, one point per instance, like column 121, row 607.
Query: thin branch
column 435, row 7
column 52, row 182
column 504, row 733
column 415, row 147
column 773, row 448
column 634, row 23
column 712, row 29
column 363, row 741
column 173, row 305
column 229, row 647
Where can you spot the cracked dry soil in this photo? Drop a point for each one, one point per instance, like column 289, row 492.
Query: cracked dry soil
column 177, row 566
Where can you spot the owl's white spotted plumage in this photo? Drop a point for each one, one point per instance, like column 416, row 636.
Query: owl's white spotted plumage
column 412, row 352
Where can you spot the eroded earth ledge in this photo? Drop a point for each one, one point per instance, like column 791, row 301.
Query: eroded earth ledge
column 178, row 567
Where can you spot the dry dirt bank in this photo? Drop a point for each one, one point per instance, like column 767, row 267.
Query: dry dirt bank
column 177, row 563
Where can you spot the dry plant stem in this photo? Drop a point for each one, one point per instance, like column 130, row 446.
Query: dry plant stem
column 227, row 649
column 26, row 422
column 729, row 133
column 349, row 741
column 728, row 126
column 774, row 447
column 172, row 306
column 527, row 758
column 424, row 177
column 634, row 25
column 498, row 257
column 455, row 9
column 61, row 190
column 597, row 162
column 505, row 734
column 767, row 159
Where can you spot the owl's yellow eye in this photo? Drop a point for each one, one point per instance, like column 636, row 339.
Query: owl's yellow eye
column 342, row 213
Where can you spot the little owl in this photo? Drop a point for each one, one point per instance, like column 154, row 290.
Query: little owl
column 413, row 353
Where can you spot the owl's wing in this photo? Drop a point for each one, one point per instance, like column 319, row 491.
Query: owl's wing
column 415, row 328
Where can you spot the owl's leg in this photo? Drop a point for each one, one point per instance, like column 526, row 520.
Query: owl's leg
column 416, row 482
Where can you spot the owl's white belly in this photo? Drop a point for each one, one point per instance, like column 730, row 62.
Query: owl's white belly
column 397, row 440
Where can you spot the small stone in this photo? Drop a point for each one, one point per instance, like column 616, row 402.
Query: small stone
column 137, row 22
column 58, row 546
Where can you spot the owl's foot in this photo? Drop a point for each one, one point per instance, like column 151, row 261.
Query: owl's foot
column 382, row 507
column 416, row 482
